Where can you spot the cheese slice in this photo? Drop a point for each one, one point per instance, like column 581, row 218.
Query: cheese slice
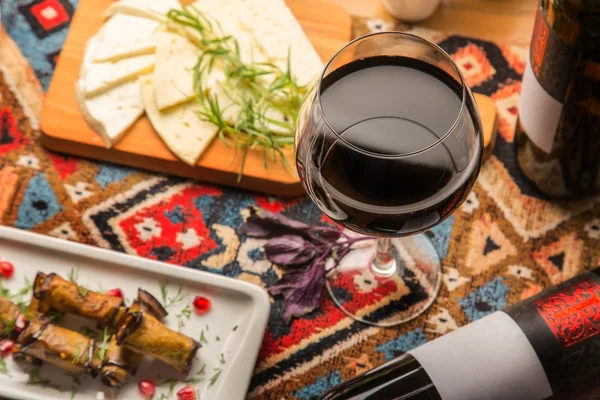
column 111, row 113
column 173, row 74
column 124, row 36
column 278, row 32
column 152, row 9
column 97, row 77
column 226, row 15
column 180, row 128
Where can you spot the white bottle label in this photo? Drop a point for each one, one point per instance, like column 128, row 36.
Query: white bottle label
column 490, row 359
column 539, row 112
column 544, row 83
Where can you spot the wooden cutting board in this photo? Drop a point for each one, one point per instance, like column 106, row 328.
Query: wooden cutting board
column 64, row 129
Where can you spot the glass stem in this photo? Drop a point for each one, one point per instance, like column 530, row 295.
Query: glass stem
column 384, row 263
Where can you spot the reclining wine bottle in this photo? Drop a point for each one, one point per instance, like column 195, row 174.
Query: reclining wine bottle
column 546, row 347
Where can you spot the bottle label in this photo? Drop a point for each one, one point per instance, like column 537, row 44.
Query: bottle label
column 544, row 84
column 573, row 315
column 488, row 359
column 562, row 325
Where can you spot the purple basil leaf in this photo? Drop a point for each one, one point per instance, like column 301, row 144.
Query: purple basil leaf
column 301, row 289
column 290, row 250
column 262, row 223
column 330, row 234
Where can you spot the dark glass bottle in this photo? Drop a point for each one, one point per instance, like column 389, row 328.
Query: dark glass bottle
column 546, row 347
column 558, row 133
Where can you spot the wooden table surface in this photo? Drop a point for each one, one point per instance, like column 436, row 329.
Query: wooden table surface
column 508, row 21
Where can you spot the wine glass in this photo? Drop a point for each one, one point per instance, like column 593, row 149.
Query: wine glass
column 389, row 144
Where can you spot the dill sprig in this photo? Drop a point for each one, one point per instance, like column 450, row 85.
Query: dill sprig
column 203, row 337
column 3, row 367
column 78, row 353
column 214, row 378
column 167, row 300
column 254, row 105
column 101, row 353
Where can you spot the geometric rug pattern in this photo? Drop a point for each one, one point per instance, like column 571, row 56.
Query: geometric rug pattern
column 504, row 244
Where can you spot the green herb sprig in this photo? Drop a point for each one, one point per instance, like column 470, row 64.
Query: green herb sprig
column 101, row 353
column 169, row 301
column 255, row 105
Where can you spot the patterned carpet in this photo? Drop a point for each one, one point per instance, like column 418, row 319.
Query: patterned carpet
column 504, row 244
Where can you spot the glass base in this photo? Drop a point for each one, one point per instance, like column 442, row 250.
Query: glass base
column 391, row 294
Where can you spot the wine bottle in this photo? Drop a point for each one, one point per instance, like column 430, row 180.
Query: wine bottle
column 558, row 133
column 546, row 347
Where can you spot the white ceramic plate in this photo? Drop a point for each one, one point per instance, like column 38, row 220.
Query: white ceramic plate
column 234, row 304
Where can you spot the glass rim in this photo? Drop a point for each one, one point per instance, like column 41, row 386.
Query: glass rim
column 441, row 139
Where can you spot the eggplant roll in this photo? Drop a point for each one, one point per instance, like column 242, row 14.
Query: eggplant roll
column 121, row 362
column 61, row 347
column 58, row 294
column 8, row 316
column 34, row 303
column 142, row 332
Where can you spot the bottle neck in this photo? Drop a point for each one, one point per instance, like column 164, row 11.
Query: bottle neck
column 402, row 378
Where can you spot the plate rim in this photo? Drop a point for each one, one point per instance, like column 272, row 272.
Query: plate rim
column 259, row 296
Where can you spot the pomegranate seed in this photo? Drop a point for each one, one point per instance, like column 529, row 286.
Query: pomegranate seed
column 146, row 388
column 201, row 305
column 187, row 393
column 20, row 323
column 7, row 270
column 6, row 347
column 115, row 292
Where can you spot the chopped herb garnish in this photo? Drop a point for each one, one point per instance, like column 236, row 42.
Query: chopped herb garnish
column 172, row 383
column 104, row 346
column 207, row 328
column 201, row 371
column 214, row 378
column 235, row 328
column 4, row 292
column 9, row 327
column 73, row 275
column 3, row 367
column 78, row 353
column 83, row 291
column 17, row 297
column 176, row 353
column 222, row 358
column 101, row 289
column 25, row 289
column 187, row 311
column 169, row 301
column 218, row 339
column 193, row 381
column 202, row 337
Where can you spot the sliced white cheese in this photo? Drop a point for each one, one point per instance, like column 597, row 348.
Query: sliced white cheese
column 227, row 15
column 125, row 36
column 153, row 9
column 100, row 77
column 278, row 32
column 174, row 71
column 111, row 113
column 180, row 128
